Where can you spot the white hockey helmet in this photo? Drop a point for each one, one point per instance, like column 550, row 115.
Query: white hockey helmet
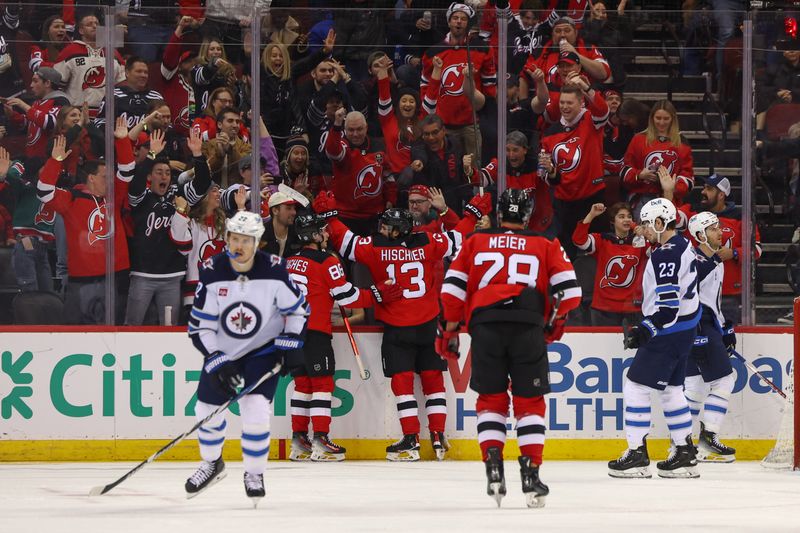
column 658, row 208
column 246, row 223
column 698, row 224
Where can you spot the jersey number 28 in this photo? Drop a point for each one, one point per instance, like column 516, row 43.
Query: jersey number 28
column 516, row 275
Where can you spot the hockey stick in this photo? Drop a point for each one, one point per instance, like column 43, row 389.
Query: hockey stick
column 752, row 369
column 554, row 311
column 471, row 98
column 102, row 489
column 363, row 372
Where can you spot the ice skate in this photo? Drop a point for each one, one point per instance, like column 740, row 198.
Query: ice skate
column 301, row 447
column 440, row 444
column 532, row 487
column 254, row 487
column 681, row 462
column 632, row 463
column 495, row 477
column 711, row 450
column 324, row 449
column 406, row 449
column 207, row 475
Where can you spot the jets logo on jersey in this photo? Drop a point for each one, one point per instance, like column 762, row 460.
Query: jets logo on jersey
column 45, row 215
column 668, row 158
column 727, row 237
column 620, row 272
column 368, row 182
column 94, row 78
column 453, row 80
column 568, row 154
column 241, row 320
column 97, row 225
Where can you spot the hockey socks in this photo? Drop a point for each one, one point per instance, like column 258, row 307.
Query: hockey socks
column 322, row 387
column 637, row 413
column 301, row 404
column 255, row 410
column 492, row 414
column 435, row 403
column 211, row 435
column 403, row 389
column 676, row 413
column 529, row 413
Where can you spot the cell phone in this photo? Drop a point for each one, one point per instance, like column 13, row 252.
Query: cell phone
column 426, row 16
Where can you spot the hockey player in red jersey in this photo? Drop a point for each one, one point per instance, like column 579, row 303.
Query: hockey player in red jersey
column 497, row 285
column 320, row 277
column 621, row 256
column 410, row 260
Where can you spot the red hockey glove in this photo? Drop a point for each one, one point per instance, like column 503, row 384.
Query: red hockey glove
column 387, row 292
column 325, row 204
column 447, row 344
column 556, row 332
column 480, row 205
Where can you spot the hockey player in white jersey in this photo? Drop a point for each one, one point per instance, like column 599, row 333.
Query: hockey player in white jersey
column 709, row 374
column 663, row 341
column 247, row 316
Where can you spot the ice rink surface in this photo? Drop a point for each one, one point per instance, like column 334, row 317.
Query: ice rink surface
column 403, row 497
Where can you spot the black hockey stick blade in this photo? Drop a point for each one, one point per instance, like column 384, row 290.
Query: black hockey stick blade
column 103, row 489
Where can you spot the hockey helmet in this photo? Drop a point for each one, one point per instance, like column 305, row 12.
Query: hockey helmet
column 246, row 223
column 307, row 226
column 398, row 219
column 698, row 224
column 515, row 206
column 658, row 208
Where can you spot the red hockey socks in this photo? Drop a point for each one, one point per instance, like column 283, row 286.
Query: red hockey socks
column 492, row 414
column 403, row 389
column 320, row 407
column 435, row 402
column 301, row 404
column 529, row 413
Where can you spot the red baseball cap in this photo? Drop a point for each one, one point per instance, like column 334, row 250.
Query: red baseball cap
column 569, row 57
column 421, row 190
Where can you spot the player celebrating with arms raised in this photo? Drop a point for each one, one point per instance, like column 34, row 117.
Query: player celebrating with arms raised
column 246, row 309
column 664, row 339
column 497, row 284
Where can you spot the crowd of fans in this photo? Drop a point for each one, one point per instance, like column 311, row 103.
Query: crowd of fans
column 384, row 103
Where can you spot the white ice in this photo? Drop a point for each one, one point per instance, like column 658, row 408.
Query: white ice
column 405, row 497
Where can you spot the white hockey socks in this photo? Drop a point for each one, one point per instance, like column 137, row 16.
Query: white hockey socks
column 716, row 406
column 211, row 435
column 637, row 412
column 676, row 413
column 695, row 390
column 255, row 410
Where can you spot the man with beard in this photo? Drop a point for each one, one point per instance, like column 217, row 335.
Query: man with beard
column 279, row 235
column 226, row 149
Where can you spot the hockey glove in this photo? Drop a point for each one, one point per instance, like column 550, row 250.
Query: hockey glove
column 555, row 332
column 447, row 343
column 225, row 376
column 480, row 205
column 292, row 360
column 640, row 335
column 729, row 336
column 387, row 293
column 325, row 205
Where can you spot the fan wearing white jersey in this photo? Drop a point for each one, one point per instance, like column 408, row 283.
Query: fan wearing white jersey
column 663, row 341
column 247, row 316
column 709, row 374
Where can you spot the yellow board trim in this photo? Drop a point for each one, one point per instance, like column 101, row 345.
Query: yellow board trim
column 357, row 449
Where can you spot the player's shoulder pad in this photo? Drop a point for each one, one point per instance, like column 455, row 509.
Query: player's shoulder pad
column 216, row 268
column 318, row 256
column 413, row 240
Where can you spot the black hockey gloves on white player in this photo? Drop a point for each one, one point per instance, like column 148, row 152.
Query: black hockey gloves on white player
column 639, row 335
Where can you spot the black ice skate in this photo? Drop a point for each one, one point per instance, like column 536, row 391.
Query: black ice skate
column 632, row 463
column 254, row 487
column 205, row 476
column 495, row 476
column 711, row 450
column 324, row 449
column 406, row 449
column 681, row 462
column 301, row 447
column 532, row 487
column 440, row 444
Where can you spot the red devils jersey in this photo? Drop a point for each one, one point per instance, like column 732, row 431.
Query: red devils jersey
column 571, row 9
column 320, row 277
column 178, row 93
column 453, row 105
column 548, row 61
column 357, row 177
column 620, row 266
column 496, row 265
column 410, row 262
column 641, row 155
column 577, row 149
column 524, row 177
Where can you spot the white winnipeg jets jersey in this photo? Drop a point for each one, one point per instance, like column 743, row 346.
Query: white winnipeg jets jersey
column 670, row 287
column 710, row 274
column 237, row 313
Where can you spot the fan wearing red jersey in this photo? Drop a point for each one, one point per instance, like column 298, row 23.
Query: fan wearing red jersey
column 410, row 260
column 621, row 256
column 320, row 277
column 498, row 285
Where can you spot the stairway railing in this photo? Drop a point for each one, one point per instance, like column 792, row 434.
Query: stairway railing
column 674, row 69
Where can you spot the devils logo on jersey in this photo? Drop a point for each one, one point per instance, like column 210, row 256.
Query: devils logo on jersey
column 94, row 78
column 368, row 182
column 668, row 158
column 45, row 215
column 183, row 118
column 727, row 236
column 567, row 154
column 453, row 80
column 99, row 228
column 620, row 271
column 209, row 249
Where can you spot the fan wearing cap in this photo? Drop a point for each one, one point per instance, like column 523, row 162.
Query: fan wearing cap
column 455, row 104
column 279, row 232
column 298, row 170
column 714, row 198
column 39, row 117
column 176, row 71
